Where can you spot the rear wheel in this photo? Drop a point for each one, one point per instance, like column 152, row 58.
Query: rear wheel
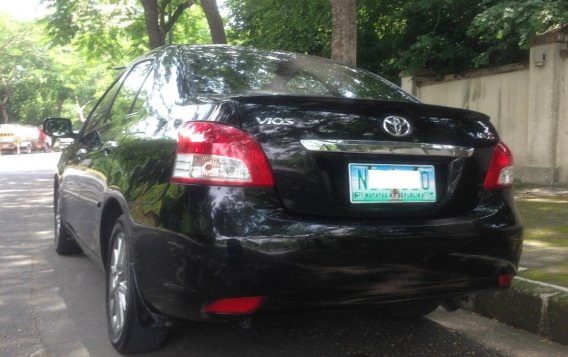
column 64, row 242
column 127, row 333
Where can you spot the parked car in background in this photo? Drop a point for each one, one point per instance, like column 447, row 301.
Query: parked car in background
column 62, row 143
column 219, row 182
column 17, row 138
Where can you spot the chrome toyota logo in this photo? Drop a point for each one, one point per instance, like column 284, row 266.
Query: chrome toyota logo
column 396, row 126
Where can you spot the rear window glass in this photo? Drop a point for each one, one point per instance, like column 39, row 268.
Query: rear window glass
column 224, row 71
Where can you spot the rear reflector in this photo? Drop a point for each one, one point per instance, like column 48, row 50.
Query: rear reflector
column 217, row 154
column 505, row 280
column 501, row 170
column 235, row 306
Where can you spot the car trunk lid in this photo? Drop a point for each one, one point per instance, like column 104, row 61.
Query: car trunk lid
column 340, row 157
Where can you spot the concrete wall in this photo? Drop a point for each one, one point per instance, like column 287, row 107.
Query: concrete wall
column 562, row 140
column 527, row 103
column 501, row 95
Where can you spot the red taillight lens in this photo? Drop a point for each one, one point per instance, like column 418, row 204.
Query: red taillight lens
column 501, row 170
column 505, row 280
column 218, row 154
column 235, row 306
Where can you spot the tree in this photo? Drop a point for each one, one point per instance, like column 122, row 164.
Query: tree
column 344, row 33
column 446, row 36
column 293, row 25
column 214, row 20
column 117, row 28
column 162, row 16
column 37, row 81
column 506, row 28
column 24, row 70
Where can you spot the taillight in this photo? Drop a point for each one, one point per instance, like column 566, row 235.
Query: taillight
column 501, row 170
column 218, row 154
column 505, row 280
column 235, row 306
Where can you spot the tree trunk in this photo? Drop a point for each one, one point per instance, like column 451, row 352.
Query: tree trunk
column 59, row 107
column 344, row 32
column 157, row 26
column 214, row 20
column 155, row 35
column 80, row 109
column 4, row 106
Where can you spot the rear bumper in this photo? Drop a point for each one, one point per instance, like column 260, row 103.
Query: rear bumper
column 320, row 264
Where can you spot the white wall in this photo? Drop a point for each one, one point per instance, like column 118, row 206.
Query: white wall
column 562, row 140
column 502, row 96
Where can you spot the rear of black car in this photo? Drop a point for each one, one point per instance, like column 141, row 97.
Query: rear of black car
column 280, row 200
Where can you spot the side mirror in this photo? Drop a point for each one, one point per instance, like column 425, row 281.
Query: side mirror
column 58, row 128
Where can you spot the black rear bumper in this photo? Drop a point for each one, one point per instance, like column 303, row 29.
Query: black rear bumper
column 321, row 264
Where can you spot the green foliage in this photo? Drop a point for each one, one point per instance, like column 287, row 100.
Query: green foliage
column 25, row 72
column 192, row 27
column 446, row 36
column 109, row 30
column 115, row 30
column 40, row 81
column 393, row 35
column 61, row 64
column 293, row 25
column 506, row 28
column 435, row 37
column 79, row 82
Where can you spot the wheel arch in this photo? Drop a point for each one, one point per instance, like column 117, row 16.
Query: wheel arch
column 112, row 210
column 114, row 207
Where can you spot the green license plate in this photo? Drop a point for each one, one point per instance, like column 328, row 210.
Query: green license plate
column 377, row 183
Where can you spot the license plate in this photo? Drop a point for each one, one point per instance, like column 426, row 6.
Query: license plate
column 378, row 183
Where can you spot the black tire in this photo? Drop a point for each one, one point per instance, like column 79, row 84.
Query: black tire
column 64, row 242
column 411, row 310
column 127, row 334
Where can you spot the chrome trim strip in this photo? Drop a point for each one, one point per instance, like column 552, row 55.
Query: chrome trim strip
column 387, row 148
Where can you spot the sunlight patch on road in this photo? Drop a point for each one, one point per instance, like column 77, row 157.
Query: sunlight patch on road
column 31, row 162
column 536, row 244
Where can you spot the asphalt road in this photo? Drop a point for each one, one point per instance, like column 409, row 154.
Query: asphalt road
column 54, row 306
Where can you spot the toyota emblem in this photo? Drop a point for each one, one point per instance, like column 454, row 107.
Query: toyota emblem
column 397, row 126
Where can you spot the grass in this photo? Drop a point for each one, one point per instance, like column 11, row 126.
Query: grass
column 545, row 221
column 544, row 212
column 557, row 275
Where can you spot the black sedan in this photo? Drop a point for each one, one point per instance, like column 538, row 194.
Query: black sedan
column 218, row 182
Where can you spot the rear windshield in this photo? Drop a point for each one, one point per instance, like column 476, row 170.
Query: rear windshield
column 224, row 71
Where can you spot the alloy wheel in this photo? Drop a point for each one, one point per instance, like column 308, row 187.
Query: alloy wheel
column 118, row 284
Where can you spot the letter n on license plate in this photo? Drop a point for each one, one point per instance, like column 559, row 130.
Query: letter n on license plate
column 378, row 183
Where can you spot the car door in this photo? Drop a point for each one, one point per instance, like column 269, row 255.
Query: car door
column 92, row 167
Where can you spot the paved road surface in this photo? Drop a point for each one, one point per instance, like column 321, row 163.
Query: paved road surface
column 54, row 306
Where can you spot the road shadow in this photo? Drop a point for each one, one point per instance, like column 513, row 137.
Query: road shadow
column 359, row 332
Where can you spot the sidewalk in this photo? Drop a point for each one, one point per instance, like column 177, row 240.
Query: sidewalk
column 538, row 298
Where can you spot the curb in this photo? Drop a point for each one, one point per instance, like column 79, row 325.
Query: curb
column 530, row 305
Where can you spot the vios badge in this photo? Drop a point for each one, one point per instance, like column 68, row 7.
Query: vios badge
column 397, row 126
column 275, row 121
